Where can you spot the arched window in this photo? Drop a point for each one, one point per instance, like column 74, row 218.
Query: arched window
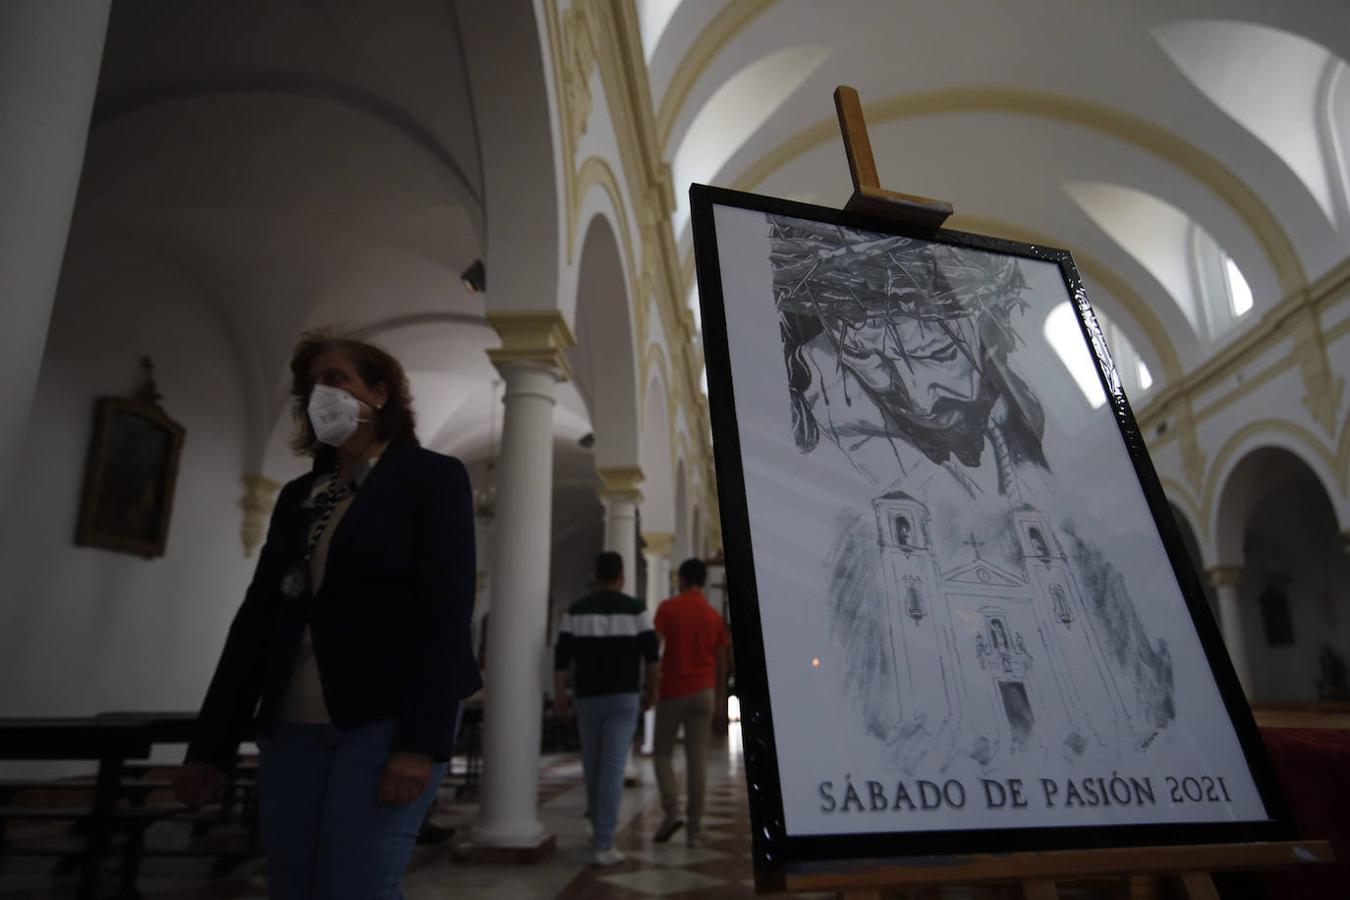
column 998, row 635
column 1061, row 330
column 1062, row 611
column 1219, row 282
column 1335, row 133
column 1239, row 294
column 913, row 598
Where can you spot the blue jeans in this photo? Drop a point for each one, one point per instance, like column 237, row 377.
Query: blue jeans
column 607, row 724
column 324, row 831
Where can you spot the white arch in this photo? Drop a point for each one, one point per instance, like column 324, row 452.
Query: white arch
column 743, row 103
column 604, row 360
column 1245, row 474
column 506, row 47
column 653, row 17
column 658, row 465
column 264, row 149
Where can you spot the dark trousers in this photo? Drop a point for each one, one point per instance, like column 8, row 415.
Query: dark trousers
column 324, row 831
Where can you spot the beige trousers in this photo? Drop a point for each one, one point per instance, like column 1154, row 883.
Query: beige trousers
column 694, row 712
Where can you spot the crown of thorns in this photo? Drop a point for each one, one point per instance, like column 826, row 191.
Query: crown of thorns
column 823, row 269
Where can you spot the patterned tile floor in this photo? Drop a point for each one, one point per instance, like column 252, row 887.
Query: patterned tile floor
column 719, row 868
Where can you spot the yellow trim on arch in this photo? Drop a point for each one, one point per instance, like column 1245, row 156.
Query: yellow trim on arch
column 724, row 26
column 1308, row 439
column 1125, row 126
column 595, row 171
column 1180, row 495
column 654, row 355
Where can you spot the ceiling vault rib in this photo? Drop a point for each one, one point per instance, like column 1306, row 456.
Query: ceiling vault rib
column 117, row 107
column 1274, row 241
column 728, row 23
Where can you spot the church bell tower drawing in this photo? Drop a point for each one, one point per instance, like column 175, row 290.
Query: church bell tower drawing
column 927, row 688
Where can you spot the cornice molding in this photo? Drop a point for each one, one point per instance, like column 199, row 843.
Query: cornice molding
column 532, row 336
column 658, row 543
column 620, row 482
column 1297, row 316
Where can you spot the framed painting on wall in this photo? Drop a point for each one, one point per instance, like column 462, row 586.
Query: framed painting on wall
column 963, row 617
column 130, row 475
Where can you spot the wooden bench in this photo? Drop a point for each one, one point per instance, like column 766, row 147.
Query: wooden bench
column 238, row 793
column 116, row 802
column 110, row 744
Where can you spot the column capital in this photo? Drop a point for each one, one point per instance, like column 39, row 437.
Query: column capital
column 658, row 543
column 1224, row 576
column 540, row 337
column 620, row 483
column 260, row 494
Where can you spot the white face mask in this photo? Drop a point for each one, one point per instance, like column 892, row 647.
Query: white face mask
column 334, row 413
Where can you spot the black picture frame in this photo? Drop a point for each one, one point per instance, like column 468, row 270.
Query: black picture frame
column 775, row 850
column 130, row 476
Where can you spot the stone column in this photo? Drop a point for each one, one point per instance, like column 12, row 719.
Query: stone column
column 1226, row 580
column 657, row 550
column 620, row 495
column 532, row 362
column 658, row 547
column 50, row 53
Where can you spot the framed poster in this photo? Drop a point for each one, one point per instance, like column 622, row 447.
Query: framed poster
column 130, row 475
column 963, row 617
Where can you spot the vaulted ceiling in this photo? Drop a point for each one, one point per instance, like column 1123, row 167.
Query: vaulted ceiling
column 1178, row 148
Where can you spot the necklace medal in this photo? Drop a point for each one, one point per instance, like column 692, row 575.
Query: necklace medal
column 294, row 582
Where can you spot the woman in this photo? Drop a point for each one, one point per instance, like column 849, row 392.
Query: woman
column 353, row 641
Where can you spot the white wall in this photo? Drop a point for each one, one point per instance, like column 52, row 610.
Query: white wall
column 86, row 630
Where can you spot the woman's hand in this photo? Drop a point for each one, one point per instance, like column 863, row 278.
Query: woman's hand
column 195, row 783
column 406, row 776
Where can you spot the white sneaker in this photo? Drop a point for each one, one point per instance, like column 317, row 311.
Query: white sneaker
column 608, row 857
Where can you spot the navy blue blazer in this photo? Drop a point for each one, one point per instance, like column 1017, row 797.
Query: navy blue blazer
column 390, row 623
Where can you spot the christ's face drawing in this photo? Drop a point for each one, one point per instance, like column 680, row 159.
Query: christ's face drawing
column 927, row 362
column 925, row 374
column 923, row 331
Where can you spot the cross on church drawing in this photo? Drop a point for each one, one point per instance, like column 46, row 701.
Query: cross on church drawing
column 983, row 656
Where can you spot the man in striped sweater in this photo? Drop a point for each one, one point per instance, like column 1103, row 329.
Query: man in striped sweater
column 604, row 641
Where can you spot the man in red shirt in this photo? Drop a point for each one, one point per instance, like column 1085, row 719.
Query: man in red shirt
column 693, row 674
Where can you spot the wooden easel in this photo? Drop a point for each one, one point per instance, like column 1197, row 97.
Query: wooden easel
column 868, row 195
column 1189, row 866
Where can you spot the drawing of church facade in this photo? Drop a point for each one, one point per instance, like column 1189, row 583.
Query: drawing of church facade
column 992, row 661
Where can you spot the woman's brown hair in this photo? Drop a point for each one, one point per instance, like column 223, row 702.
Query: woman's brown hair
column 395, row 421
